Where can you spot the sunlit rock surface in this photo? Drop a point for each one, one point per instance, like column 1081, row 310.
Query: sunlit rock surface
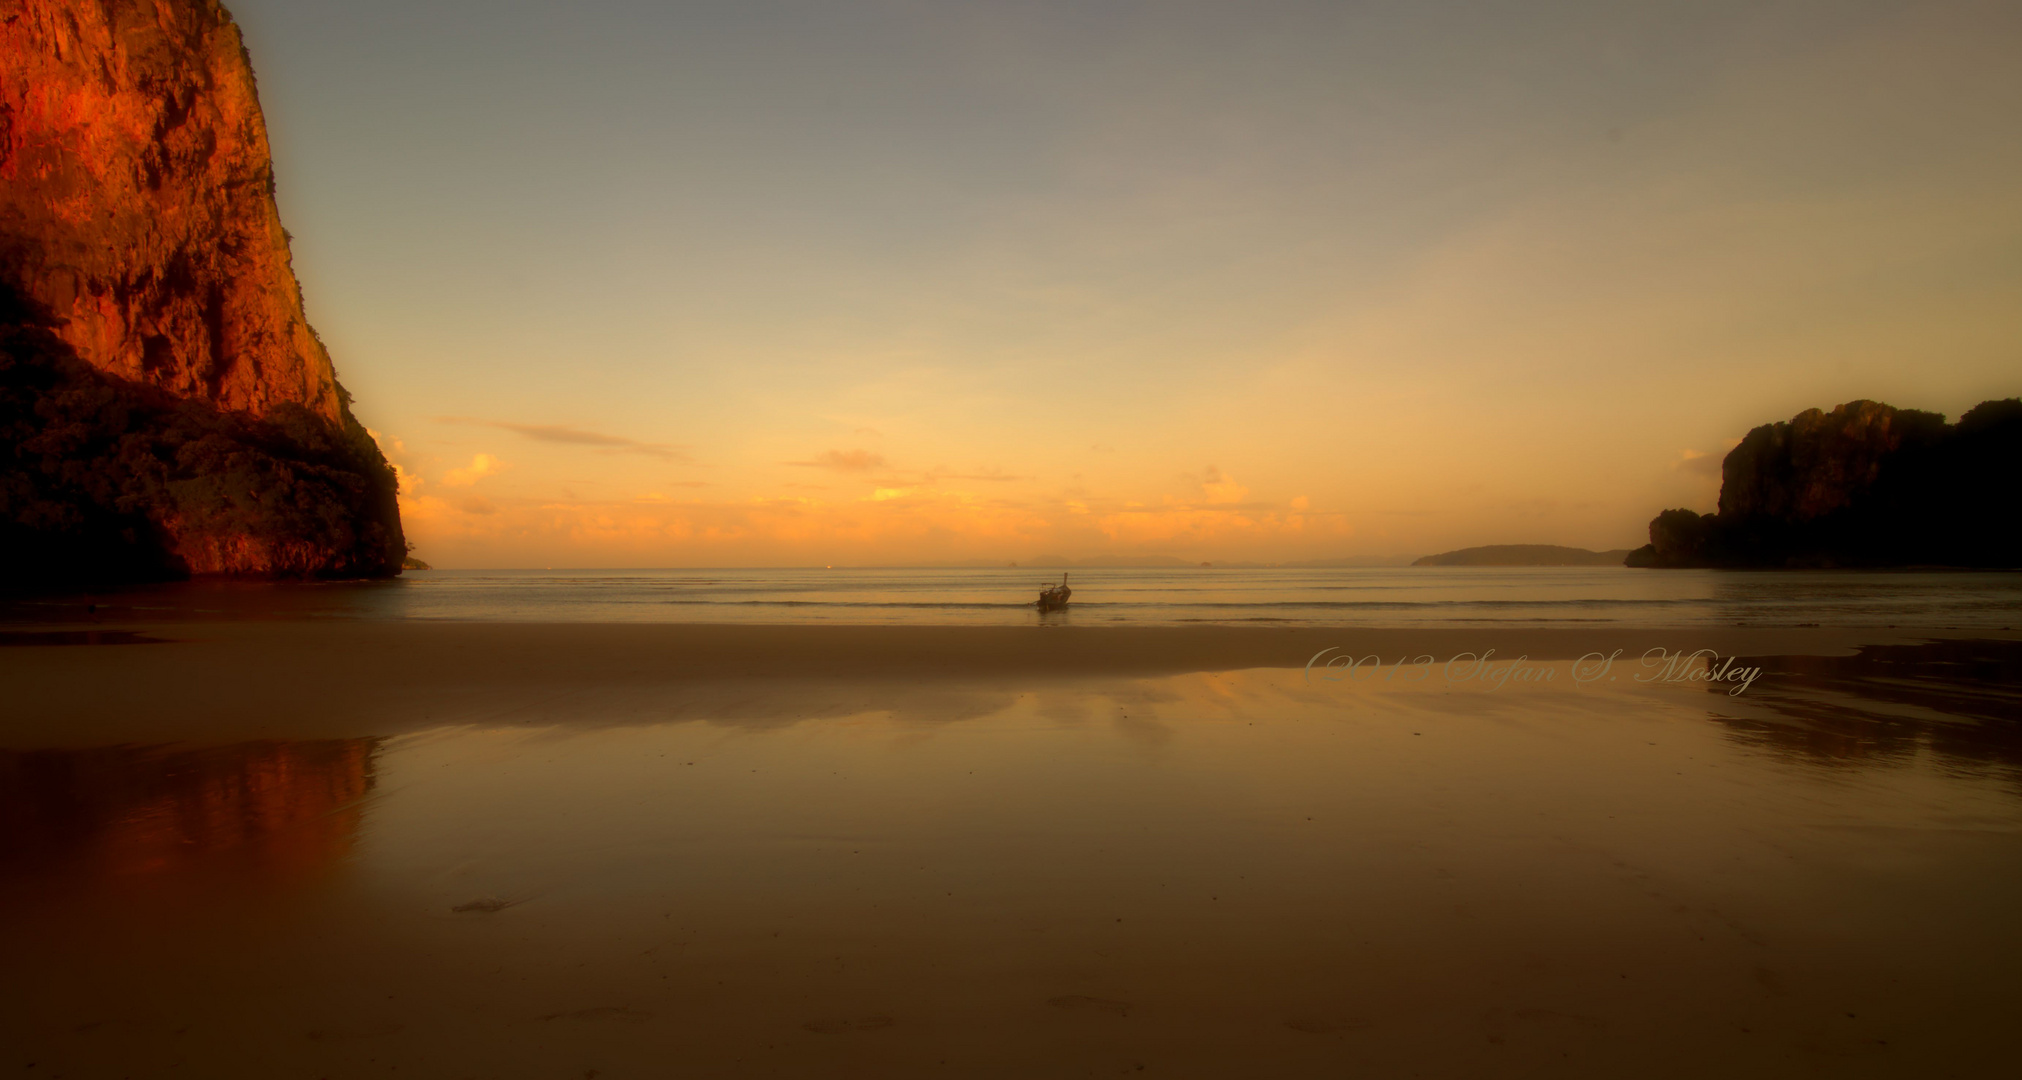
column 139, row 236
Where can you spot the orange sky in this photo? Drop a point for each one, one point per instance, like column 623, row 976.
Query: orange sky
column 789, row 284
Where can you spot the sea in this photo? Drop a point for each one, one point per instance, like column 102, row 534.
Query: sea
column 1348, row 596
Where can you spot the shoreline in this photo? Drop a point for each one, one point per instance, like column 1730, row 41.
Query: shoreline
column 167, row 682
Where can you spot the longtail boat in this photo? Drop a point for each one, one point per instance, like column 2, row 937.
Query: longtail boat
column 1054, row 597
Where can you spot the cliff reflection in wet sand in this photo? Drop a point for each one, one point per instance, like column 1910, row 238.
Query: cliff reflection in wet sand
column 1959, row 700
column 283, row 808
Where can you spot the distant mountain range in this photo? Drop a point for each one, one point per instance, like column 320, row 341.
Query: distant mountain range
column 1524, row 555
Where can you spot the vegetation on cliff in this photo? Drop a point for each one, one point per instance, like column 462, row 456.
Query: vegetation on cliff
column 103, row 479
column 1863, row 485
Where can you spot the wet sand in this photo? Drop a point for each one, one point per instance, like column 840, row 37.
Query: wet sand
column 349, row 849
column 247, row 679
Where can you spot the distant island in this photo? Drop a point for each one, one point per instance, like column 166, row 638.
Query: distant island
column 1112, row 562
column 1141, row 562
column 1525, row 555
column 1865, row 485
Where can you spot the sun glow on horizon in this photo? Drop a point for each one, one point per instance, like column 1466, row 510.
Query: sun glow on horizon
column 1274, row 282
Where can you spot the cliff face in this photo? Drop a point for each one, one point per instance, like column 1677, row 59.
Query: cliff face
column 139, row 236
column 1863, row 485
column 136, row 201
column 1819, row 462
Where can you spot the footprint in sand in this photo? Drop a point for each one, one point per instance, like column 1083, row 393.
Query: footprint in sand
column 1084, row 1003
column 866, row 1023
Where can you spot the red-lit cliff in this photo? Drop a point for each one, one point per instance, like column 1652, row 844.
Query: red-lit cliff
column 204, row 431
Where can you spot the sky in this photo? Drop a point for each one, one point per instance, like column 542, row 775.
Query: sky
column 628, row 284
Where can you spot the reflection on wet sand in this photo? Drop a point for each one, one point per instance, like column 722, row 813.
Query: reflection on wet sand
column 1960, row 700
column 43, row 638
column 1208, row 873
column 283, row 807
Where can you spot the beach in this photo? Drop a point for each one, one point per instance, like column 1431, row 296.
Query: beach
column 299, row 679
column 887, row 541
column 290, row 847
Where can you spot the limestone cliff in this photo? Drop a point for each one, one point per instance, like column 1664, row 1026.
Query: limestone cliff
column 139, row 234
column 1863, row 485
column 137, row 206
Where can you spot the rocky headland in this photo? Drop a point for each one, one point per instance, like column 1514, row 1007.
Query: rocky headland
column 165, row 407
column 1865, row 485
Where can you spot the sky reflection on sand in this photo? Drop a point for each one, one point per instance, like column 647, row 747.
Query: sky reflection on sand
column 1203, row 874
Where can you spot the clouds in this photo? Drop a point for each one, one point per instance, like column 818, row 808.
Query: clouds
column 573, row 436
column 1700, row 463
column 888, row 525
column 987, row 476
column 844, row 461
column 863, row 462
column 1218, row 488
column 648, row 531
column 480, row 466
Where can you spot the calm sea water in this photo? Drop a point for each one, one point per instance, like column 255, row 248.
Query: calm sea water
column 1361, row 596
